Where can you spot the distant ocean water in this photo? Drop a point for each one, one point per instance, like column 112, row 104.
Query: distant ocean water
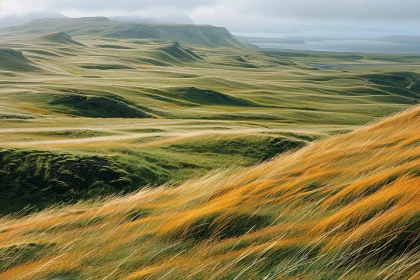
column 341, row 45
column 336, row 44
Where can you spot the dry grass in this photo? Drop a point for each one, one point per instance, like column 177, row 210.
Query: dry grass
column 345, row 207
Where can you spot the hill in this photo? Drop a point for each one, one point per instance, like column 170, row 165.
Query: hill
column 199, row 35
column 60, row 38
column 12, row 60
column 176, row 53
column 345, row 207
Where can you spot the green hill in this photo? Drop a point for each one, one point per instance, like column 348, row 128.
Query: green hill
column 206, row 36
column 198, row 96
column 179, row 53
column 60, row 38
column 12, row 60
column 97, row 107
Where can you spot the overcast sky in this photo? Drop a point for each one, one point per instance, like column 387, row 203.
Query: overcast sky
column 242, row 15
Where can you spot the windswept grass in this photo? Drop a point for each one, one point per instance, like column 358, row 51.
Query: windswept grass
column 100, row 107
column 345, row 207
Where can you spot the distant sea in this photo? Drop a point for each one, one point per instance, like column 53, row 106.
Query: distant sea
column 344, row 45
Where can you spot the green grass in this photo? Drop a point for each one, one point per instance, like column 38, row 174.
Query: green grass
column 20, row 254
column 256, row 147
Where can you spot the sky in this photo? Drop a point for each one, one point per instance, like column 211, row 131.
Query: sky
column 252, row 16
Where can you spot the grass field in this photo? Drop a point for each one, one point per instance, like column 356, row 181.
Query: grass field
column 222, row 161
column 159, row 111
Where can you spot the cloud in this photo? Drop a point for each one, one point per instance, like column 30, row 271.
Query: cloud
column 235, row 14
column 95, row 6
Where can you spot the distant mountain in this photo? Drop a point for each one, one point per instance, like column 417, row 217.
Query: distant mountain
column 16, row 20
column 415, row 40
column 173, row 19
column 198, row 35
column 285, row 40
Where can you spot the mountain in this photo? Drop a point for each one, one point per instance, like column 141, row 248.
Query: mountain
column 345, row 207
column 16, row 20
column 199, row 35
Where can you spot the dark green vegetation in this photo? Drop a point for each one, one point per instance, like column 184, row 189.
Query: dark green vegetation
column 155, row 104
column 39, row 178
column 198, row 96
column 259, row 147
column 219, row 227
column 99, row 107
column 20, row 254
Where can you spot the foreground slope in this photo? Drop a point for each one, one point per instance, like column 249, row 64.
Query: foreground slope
column 346, row 206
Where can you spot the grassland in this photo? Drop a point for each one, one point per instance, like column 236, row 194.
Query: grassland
column 157, row 111
column 342, row 208
column 293, row 185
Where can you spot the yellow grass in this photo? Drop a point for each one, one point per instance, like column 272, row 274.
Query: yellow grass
column 347, row 206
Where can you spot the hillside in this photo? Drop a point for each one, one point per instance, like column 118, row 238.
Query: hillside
column 12, row 60
column 60, row 38
column 344, row 207
column 205, row 36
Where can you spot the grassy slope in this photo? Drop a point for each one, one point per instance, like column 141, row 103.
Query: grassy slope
column 60, row 38
column 343, row 207
column 12, row 60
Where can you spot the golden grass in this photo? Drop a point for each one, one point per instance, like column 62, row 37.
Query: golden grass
column 347, row 206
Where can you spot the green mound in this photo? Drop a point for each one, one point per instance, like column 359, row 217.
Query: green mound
column 98, row 107
column 207, row 97
column 179, row 53
column 405, row 84
column 43, row 178
column 106, row 67
column 115, row 47
column 44, row 53
column 259, row 148
column 398, row 79
column 60, row 38
column 11, row 60
column 151, row 61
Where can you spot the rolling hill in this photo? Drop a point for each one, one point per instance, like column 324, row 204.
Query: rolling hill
column 198, row 35
column 12, row 60
column 344, row 207
column 60, row 38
